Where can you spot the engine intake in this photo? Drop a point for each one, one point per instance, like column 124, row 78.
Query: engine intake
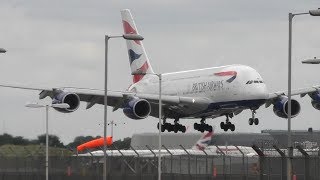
column 137, row 108
column 280, row 107
column 71, row 99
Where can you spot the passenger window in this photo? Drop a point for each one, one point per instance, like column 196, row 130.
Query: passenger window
column 256, row 81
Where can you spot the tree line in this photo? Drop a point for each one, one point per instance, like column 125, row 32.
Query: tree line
column 54, row 141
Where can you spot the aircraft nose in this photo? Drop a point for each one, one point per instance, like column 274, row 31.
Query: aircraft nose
column 261, row 92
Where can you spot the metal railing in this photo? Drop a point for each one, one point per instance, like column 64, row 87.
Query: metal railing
column 176, row 164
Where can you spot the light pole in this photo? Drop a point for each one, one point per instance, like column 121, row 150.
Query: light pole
column 106, row 39
column 35, row 105
column 160, row 117
column 290, row 148
column 2, row 50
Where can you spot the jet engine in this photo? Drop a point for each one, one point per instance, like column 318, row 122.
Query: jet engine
column 69, row 98
column 280, row 107
column 136, row 108
column 315, row 96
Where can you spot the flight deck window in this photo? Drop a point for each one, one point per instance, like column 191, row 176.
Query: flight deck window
column 254, row 81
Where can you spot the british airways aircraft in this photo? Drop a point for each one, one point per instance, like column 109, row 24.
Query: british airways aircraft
column 195, row 94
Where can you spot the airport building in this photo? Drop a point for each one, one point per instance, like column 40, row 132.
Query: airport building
column 308, row 139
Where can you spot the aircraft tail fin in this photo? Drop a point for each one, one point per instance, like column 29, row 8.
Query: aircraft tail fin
column 138, row 58
column 204, row 141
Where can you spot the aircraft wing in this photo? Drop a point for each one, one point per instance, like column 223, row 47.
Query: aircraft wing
column 116, row 99
column 302, row 92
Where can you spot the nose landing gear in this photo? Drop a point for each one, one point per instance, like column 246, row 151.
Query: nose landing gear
column 253, row 120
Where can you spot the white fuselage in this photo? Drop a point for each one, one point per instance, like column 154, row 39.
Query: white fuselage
column 238, row 85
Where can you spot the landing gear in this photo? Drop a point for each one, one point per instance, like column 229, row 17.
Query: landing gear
column 253, row 120
column 202, row 126
column 176, row 127
column 228, row 125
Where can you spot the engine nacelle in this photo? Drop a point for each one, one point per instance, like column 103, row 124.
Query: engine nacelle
column 315, row 96
column 69, row 98
column 280, row 107
column 137, row 108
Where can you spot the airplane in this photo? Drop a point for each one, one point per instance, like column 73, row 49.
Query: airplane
column 193, row 94
column 197, row 148
column 201, row 147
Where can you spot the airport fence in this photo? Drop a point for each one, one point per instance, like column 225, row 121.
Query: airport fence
column 268, row 164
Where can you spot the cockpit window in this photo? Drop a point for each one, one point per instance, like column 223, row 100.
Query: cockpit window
column 254, row 81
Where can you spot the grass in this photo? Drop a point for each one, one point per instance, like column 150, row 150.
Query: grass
column 31, row 150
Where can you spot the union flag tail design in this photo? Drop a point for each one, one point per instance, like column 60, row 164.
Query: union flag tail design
column 138, row 58
column 203, row 142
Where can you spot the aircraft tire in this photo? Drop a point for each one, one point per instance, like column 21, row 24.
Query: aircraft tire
column 175, row 128
column 163, row 128
column 222, row 125
column 183, row 129
column 256, row 121
column 232, row 127
column 209, row 128
column 250, row 121
column 196, row 126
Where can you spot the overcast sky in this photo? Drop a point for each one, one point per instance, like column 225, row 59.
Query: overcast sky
column 61, row 43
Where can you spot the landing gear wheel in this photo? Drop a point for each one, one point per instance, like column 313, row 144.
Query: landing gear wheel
column 250, row 121
column 232, row 127
column 175, row 128
column 163, row 128
column 253, row 120
column 196, row 126
column 169, row 127
column 202, row 126
column 222, row 125
column 183, row 129
column 227, row 125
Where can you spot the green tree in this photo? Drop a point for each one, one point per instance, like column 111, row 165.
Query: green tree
column 54, row 141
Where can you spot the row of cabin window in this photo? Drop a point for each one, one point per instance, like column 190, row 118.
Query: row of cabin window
column 254, row 81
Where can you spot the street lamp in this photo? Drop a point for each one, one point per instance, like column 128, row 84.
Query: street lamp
column 106, row 39
column 315, row 60
column 36, row 105
column 160, row 116
column 2, row 50
column 315, row 12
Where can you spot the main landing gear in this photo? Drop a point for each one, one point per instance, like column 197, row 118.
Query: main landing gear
column 202, row 126
column 227, row 125
column 176, row 127
column 253, row 120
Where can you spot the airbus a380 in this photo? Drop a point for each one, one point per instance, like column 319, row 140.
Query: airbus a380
column 194, row 94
